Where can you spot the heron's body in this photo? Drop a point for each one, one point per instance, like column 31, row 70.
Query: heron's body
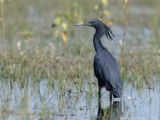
column 106, row 68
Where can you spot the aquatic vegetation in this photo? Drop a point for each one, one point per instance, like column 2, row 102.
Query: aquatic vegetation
column 34, row 55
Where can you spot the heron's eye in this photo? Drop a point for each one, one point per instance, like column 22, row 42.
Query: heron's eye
column 91, row 22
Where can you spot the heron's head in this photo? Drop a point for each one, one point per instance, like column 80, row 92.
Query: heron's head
column 92, row 23
column 100, row 27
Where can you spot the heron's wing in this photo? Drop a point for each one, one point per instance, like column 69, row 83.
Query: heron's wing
column 108, row 75
column 111, row 74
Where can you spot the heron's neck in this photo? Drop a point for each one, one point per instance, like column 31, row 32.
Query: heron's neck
column 97, row 43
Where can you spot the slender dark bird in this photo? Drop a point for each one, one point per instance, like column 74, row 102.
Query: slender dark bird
column 106, row 68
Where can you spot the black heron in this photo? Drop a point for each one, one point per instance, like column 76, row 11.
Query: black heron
column 106, row 67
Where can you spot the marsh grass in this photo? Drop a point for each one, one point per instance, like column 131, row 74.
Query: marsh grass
column 68, row 71
column 32, row 51
column 139, row 68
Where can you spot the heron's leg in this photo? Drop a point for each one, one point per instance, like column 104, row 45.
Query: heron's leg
column 100, row 110
column 99, row 95
column 100, row 113
column 110, row 97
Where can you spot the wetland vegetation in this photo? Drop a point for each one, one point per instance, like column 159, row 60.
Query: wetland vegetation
column 46, row 72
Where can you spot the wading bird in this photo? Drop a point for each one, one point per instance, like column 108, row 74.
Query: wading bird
column 106, row 68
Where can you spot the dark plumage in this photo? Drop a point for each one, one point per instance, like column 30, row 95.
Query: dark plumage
column 106, row 68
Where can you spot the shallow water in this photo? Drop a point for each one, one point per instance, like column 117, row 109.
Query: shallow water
column 40, row 102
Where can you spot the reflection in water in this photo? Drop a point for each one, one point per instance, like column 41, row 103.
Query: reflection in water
column 113, row 112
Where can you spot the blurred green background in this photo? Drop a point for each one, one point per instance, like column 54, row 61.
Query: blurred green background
column 46, row 72
column 30, row 47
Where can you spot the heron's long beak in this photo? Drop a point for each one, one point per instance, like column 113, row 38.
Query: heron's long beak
column 81, row 24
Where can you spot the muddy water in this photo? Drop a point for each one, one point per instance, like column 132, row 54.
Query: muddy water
column 39, row 101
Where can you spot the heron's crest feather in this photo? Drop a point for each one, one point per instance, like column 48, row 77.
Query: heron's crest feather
column 108, row 32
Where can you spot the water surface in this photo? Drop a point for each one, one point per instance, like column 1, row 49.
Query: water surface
column 40, row 101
